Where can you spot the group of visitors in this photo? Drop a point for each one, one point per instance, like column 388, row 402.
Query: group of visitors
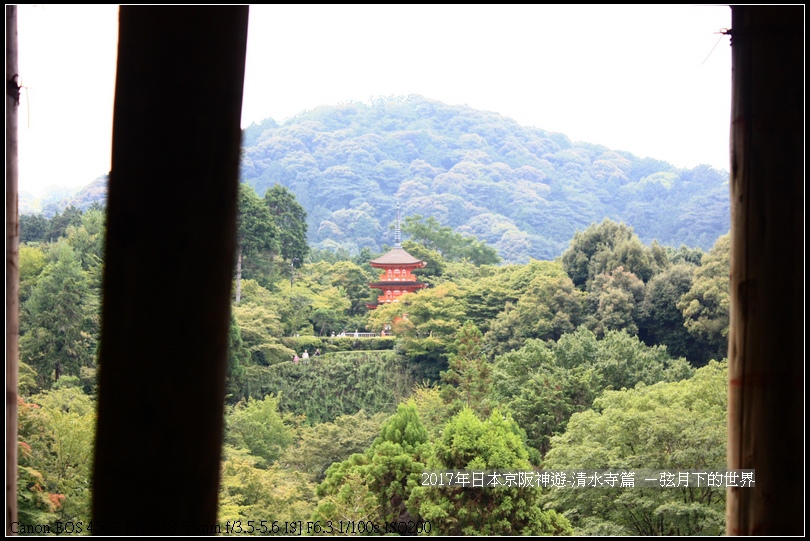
column 304, row 358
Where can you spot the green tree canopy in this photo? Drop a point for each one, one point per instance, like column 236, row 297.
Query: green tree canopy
column 59, row 223
column 32, row 262
column 522, row 190
column 60, row 319
column 425, row 322
column 470, row 444
column 661, row 320
column 706, row 305
column 319, row 446
column 676, row 426
column 260, row 331
column 33, row 228
column 257, row 495
column 467, row 380
column 87, row 240
column 550, row 307
column 389, row 469
column 256, row 425
column 56, row 440
column 614, row 301
column 603, row 247
column 256, row 232
column 544, row 383
column 435, row 264
column 238, row 359
column 451, row 245
column 291, row 220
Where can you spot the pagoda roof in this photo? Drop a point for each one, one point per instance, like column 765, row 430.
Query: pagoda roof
column 397, row 256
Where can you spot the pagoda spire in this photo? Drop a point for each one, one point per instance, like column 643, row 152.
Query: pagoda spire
column 398, row 231
column 396, row 276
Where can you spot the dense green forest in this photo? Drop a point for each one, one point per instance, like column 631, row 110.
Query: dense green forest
column 576, row 317
column 608, row 356
column 524, row 191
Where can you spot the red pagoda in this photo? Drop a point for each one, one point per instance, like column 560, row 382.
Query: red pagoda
column 396, row 278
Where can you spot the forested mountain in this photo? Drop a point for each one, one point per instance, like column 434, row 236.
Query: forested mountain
column 523, row 190
column 57, row 198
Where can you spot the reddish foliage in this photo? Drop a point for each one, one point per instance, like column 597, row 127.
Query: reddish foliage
column 56, row 500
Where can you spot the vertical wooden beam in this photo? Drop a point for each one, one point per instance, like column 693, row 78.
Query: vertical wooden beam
column 168, row 268
column 766, row 339
column 12, row 266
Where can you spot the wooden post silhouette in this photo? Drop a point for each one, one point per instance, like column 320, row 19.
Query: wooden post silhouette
column 170, row 246
column 12, row 265
column 766, row 338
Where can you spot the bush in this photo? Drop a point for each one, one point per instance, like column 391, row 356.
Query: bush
column 300, row 343
column 338, row 343
column 336, row 384
column 350, row 343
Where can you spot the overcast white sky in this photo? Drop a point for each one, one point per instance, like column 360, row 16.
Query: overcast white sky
column 651, row 80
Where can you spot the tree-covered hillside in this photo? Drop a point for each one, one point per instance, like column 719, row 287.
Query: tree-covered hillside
column 549, row 336
column 493, row 366
column 523, row 190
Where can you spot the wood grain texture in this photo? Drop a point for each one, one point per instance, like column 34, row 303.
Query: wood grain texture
column 766, row 337
column 12, row 266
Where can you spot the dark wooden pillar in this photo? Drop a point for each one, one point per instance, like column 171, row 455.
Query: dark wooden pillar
column 766, row 341
column 12, row 265
column 169, row 261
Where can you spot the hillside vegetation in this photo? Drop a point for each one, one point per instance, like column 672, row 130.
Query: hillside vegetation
column 523, row 190
column 549, row 337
